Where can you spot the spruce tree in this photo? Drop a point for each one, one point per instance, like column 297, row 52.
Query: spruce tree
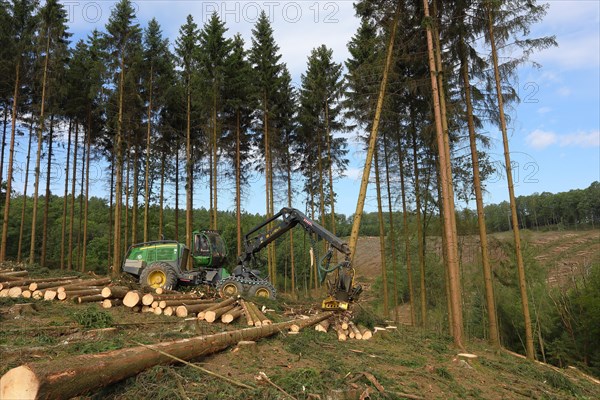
column 122, row 39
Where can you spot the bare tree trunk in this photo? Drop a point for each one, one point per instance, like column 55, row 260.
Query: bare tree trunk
column 267, row 180
column 11, row 154
column 127, row 191
column 5, row 123
column 331, row 191
column 87, row 191
column 238, row 184
column 386, row 309
column 392, row 236
column 72, row 210
column 110, row 212
column 214, row 160
column 147, row 171
column 411, row 291
column 372, row 140
column 65, row 201
column 513, row 205
column 447, row 198
column 24, row 207
column 81, row 185
column 177, row 192
column 116, row 264
column 420, row 250
column 161, row 197
column 135, row 195
column 494, row 337
column 292, row 255
column 188, row 167
column 47, row 196
column 39, row 154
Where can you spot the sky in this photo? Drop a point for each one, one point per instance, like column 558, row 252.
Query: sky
column 554, row 131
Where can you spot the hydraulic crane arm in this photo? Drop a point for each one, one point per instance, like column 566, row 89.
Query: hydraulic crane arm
column 342, row 288
column 287, row 219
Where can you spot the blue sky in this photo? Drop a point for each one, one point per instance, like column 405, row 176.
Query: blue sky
column 554, row 133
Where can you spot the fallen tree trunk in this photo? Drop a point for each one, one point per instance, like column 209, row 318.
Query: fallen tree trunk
column 88, row 299
column 259, row 315
column 115, row 292
column 183, row 302
column 224, row 303
column 132, row 298
column 39, row 284
column 249, row 320
column 185, row 310
column 212, row 315
column 66, row 377
column 232, row 315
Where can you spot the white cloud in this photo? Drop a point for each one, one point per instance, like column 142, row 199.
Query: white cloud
column 581, row 139
column 564, row 91
column 540, row 139
column 354, row 173
column 544, row 110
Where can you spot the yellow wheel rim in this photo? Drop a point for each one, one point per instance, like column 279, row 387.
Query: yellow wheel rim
column 157, row 279
column 263, row 292
column 229, row 289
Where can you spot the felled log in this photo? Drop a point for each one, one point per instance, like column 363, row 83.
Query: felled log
column 67, row 377
column 259, row 315
column 175, row 296
column 13, row 274
column 132, row 298
column 157, row 311
column 4, row 293
column 39, row 284
column 168, row 311
column 109, row 303
column 26, row 294
column 185, row 310
column 356, row 334
column 322, row 326
column 15, row 291
column 255, row 320
column 85, row 284
column 342, row 337
column 72, row 294
column 115, row 292
column 365, row 332
column 38, row 294
column 147, row 299
column 224, row 303
column 232, row 315
column 183, row 302
column 249, row 320
column 88, row 299
column 50, row 295
column 211, row 315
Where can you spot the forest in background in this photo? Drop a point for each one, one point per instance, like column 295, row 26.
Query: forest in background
column 224, row 108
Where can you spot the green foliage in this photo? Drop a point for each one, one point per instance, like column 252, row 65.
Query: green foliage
column 92, row 317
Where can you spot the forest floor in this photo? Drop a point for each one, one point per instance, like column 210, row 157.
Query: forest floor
column 311, row 365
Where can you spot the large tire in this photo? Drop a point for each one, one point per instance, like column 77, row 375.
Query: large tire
column 159, row 275
column 230, row 287
column 262, row 289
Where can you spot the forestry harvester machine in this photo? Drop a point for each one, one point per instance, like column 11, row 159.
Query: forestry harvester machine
column 168, row 263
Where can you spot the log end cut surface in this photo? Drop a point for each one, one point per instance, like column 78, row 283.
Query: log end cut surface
column 19, row 384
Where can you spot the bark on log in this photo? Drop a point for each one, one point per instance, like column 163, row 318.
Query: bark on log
column 67, row 377
column 180, row 296
column 185, row 310
column 232, row 315
column 115, row 292
column 366, row 333
column 322, row 326
column 249, row 320
column 253, row 317
column 43, row 283
column 183, row 302
column 132, row 298
column 12, row 274
column 109, row 303
column 88, row 299
column 224, row 303
column 85, row 284
column 259, row 315
column 211, row 315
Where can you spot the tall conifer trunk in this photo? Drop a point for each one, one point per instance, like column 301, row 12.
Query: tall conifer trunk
column 11, row 154
column 147, row 171
column 485, row 258
column 392, row 235
column 420, row 250
column 47, row 195
column 529, row 348
column 386, row 310
column 72, row 210
column 87, row 190
column 4, row 124
column 119, row 175
column 447, row 198
column 32, row 244
column 188, row 167
column 24, row 207
column 65, row 199
column 238, row 183
column 161, row 197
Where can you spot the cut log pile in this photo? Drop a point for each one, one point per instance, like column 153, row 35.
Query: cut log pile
column 343, row 327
